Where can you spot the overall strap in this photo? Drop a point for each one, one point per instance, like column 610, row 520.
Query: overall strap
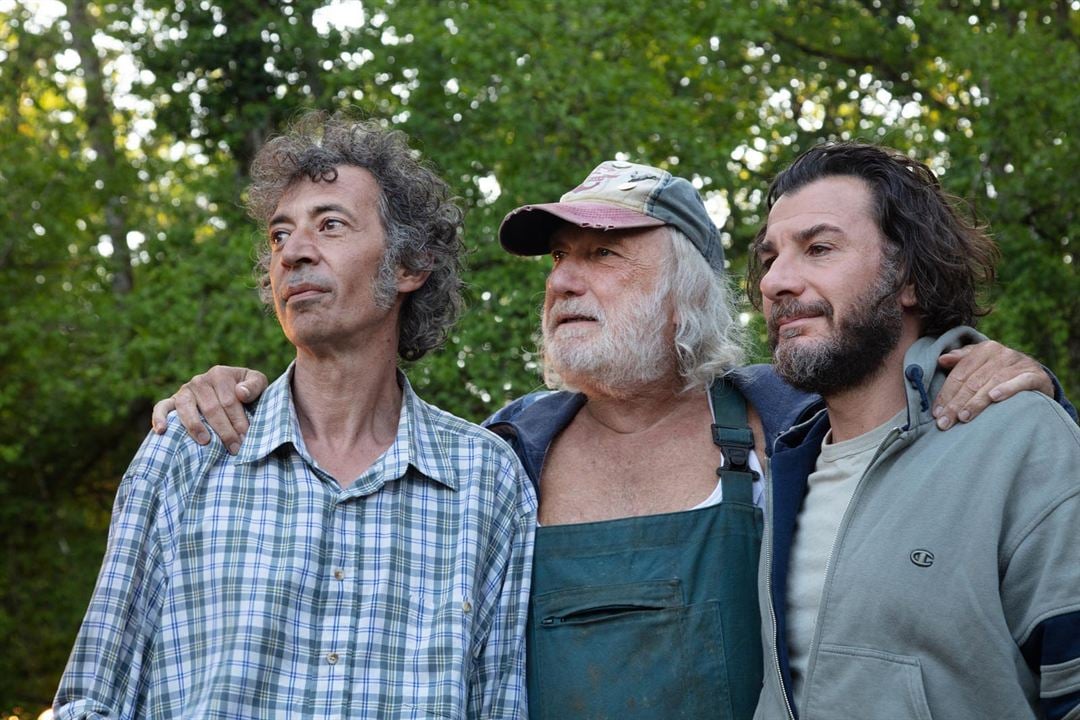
column 731, row 433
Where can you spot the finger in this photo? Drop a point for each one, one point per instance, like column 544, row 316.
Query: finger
column 966, row 390
column 1006, row 372
column 970, row 397
column 227, row 416
column 253, row 384
column 160, row 418
column 215, row 396
column 1000, row 384
column 1038, row 381
column 187, row 409
column 957, row 390
column 234, row 387
column 989, row 372
column 951, row 358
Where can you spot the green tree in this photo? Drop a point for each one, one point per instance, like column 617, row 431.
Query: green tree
column 126, row 130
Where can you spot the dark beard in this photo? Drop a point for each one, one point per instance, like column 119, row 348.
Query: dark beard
column 854, row 353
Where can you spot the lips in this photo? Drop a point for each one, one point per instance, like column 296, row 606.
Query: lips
column 788, row 319
column 784, row 318
column 302, row 291
column 573, row 318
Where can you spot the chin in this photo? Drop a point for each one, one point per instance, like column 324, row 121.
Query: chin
column 303, row 334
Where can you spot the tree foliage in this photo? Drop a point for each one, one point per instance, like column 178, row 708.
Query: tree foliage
column 127, row 129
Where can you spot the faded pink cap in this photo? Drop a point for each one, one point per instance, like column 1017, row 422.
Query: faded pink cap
column 617, row 196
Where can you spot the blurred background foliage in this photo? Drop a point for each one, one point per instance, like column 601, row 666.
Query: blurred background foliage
column 126, row 129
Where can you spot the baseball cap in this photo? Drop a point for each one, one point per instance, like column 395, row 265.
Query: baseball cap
column 617, row 196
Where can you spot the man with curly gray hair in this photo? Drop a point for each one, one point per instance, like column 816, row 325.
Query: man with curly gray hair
column 419, row 218
column 365, row 554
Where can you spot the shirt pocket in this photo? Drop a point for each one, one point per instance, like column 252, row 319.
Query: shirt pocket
column 850, row 682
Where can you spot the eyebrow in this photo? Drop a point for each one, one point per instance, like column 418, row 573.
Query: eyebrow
column 820, row 229
column 315, row 212
column 802, row 236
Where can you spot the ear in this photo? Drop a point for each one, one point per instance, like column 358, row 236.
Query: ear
column 411, row 280
column 907, row 296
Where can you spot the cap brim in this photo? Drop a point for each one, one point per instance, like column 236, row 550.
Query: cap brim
column 528, row 230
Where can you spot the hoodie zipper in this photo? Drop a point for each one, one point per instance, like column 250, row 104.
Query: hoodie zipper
column 815, row 641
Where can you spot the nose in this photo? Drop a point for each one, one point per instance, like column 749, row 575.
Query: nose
column 782, row 278
column 566, row 277
column 300, row 248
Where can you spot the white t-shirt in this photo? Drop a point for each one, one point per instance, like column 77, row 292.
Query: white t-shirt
column 758, row 487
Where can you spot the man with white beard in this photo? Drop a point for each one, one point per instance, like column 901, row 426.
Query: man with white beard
column 643, row 601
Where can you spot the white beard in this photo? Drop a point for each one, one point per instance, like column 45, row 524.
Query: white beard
column 624, row 349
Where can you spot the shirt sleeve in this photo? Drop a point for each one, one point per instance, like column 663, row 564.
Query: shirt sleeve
column 110, row 655
column 497, row 681
column 1059, row 397
column 1041, row 585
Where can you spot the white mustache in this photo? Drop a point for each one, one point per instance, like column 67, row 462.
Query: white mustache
column 574, row 306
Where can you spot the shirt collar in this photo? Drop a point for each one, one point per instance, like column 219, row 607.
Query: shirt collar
column 422, row 430
column 418, row 443
column 272, row 423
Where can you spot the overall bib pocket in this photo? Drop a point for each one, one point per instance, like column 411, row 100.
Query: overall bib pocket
column 627, row 647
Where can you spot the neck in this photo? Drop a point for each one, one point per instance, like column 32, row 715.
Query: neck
column 346, row 399
column 640, row 409
column 864, row 407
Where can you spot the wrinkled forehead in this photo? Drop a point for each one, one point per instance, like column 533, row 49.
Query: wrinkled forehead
column 348, row 186
column 833, row 195
column 571, row 235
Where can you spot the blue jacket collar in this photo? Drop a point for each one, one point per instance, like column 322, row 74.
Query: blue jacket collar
column 531, row 423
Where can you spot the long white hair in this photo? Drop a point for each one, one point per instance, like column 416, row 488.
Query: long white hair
column 709, row 340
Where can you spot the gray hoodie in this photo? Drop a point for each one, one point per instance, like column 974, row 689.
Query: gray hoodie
column 953, row 585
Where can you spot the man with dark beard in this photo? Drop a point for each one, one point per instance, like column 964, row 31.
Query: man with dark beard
column 906, row 573
column 643, row 602
column 855, row 350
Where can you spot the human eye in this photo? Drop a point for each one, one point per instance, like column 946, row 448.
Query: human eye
column 277, row 237
column 818, row 249
column 557, row 255
column 765, row 256
column 331, row 224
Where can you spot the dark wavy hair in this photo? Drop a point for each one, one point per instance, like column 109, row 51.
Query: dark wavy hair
column 940, row 247
column 420, row 218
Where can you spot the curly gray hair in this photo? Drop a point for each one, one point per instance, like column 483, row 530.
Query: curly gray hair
column 421, row 219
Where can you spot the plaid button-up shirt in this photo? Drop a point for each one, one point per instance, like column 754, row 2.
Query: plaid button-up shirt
column 255, row 587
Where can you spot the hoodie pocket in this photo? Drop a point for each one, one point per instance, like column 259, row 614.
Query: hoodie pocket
column 850, row 682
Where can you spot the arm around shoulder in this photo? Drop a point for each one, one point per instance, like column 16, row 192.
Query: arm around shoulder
column 497, row 682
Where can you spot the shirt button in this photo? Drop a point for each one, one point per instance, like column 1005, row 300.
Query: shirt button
column 332, row 658
column 466, row 606
column 339, row 574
